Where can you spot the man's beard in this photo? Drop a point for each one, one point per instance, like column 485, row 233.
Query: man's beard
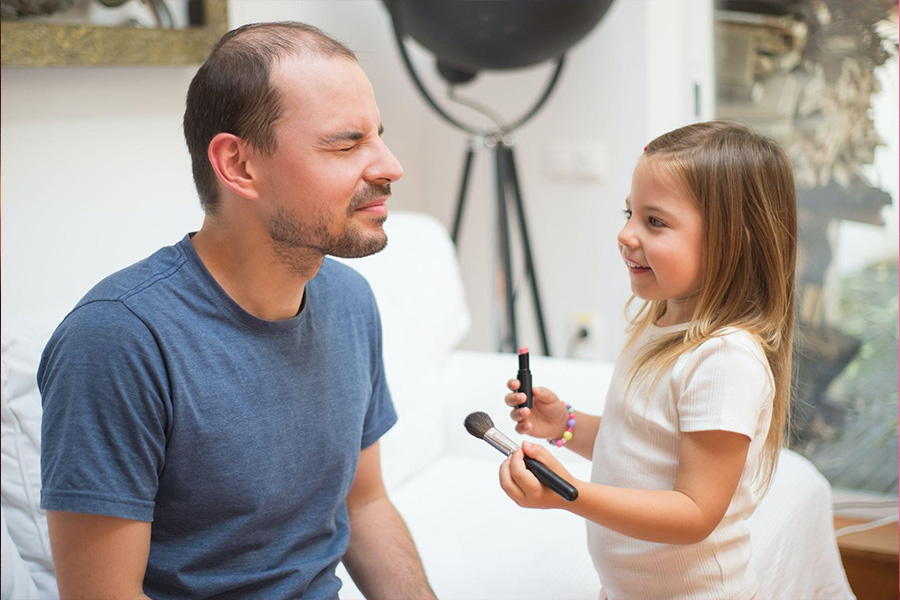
column 291, row 236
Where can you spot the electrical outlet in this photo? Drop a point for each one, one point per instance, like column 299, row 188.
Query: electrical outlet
column 585, row 335
column 585, row 322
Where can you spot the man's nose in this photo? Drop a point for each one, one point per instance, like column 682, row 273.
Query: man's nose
column 386, row 168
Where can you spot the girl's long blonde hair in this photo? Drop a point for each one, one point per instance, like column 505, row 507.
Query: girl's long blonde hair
column 743, row 184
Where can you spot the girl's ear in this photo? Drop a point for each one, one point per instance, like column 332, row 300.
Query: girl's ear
column 229, row 156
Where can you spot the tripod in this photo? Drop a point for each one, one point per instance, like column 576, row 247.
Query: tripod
column 508, row 196
column 507, row 193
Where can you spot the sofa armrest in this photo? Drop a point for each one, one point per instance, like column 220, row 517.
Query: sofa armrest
column 16, row 576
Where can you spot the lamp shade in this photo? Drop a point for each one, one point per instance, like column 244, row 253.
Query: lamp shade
column 471, row 35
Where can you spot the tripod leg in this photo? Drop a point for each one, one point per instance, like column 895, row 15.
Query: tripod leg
column 503, row 230
column 510, row 170
column 462, row 192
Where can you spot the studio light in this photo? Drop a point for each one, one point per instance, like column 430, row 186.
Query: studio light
column 471, row 36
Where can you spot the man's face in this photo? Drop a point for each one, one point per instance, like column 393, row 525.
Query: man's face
column 326, row 186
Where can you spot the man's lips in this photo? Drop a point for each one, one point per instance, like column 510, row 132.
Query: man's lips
column 379, row 205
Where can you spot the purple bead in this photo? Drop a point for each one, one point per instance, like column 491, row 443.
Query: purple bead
column 571, row 422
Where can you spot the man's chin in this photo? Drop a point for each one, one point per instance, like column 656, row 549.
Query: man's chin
column 361, row 246
column 373, row 218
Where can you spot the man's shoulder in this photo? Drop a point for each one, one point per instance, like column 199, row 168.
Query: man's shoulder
column 133, row 279
column 116, row 307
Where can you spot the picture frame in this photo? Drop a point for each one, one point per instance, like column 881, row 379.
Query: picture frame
column 36, row 44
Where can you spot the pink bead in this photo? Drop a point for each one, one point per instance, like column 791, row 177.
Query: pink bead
column 559, row 443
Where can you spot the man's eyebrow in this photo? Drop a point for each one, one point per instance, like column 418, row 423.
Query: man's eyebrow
column 349, row 135
column 344, row 136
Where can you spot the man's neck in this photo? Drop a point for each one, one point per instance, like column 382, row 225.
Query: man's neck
column 245, row 264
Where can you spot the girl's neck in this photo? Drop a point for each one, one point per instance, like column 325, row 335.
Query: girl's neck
column 678, row 310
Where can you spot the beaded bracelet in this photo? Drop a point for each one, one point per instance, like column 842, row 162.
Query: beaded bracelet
column 570, row 427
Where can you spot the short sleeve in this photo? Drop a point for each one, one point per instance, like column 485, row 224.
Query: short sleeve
column 380, row 415
column 726, row 385
column 104, row 392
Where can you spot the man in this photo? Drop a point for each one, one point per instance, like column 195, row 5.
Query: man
column 212, row 413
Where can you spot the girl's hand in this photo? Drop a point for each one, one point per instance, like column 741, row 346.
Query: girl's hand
column 546, row 420
column 523, row 487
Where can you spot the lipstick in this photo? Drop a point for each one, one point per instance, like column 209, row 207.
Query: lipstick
column 524, row 377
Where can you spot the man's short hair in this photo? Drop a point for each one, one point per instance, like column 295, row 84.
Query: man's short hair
column 232, row 92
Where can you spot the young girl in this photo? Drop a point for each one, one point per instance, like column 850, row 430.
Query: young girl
column 699, row 400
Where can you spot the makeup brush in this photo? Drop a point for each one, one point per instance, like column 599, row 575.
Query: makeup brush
column 480, row 425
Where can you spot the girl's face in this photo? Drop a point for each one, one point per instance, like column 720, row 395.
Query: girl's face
column 662, row 243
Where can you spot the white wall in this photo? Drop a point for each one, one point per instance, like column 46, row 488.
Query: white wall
column 107, row 142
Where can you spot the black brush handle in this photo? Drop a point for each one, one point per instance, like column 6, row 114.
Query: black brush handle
column 551, row 479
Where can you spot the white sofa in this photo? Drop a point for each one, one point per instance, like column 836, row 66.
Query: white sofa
column 442, row 480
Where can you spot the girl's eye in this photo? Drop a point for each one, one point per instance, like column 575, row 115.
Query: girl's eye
column 627, row 214
column 347, row 149
column 655, row 222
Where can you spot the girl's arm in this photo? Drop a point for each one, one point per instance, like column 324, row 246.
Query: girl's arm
column 709, row 469
column 584, row 435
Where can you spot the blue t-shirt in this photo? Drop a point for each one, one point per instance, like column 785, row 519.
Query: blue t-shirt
column 238, row 437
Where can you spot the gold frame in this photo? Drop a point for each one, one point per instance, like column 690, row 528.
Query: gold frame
column 35, row 44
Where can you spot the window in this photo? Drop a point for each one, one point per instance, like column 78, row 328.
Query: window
column 821, row 77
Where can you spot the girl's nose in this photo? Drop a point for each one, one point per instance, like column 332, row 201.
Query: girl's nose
column 626, row 237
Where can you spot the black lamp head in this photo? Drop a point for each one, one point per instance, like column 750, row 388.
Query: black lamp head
column 467, row 36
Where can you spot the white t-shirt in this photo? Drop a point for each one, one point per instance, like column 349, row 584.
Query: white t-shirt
column 724, row 384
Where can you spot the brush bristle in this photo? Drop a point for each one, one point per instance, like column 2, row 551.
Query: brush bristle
column 478, row 423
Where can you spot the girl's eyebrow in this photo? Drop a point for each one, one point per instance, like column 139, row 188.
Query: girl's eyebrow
column 656, row 209
column 651, row 208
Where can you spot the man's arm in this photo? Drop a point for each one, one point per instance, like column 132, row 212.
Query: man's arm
column 381, row 558
column 97, row 556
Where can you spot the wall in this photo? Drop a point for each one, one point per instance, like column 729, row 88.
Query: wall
column 107, row 142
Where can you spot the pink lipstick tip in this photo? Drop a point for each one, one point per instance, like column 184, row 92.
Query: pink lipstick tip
column 523, row 350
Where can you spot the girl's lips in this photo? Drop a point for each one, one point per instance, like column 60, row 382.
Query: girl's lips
column 635, row 268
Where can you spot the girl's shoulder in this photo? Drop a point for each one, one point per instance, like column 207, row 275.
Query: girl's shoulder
column 732, row 348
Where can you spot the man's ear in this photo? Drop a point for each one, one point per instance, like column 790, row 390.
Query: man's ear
column 229, row 156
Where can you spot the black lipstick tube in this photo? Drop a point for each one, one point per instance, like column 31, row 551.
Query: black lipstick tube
column 524, row 377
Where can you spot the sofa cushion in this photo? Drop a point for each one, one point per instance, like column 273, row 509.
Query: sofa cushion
column 419, row 290
column 17, row 581
column 476, row 543
column 22, row 343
